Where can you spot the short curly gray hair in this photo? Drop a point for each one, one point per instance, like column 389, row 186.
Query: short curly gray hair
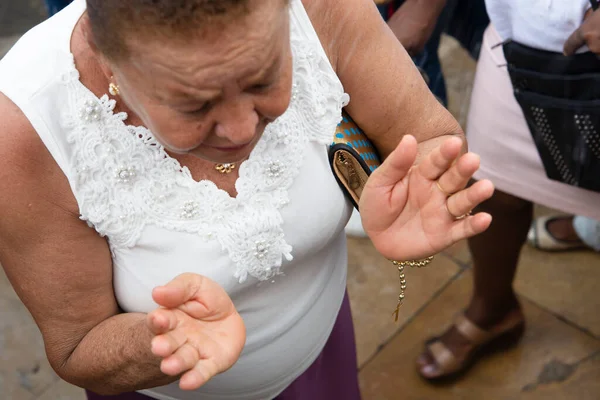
column 113, row 20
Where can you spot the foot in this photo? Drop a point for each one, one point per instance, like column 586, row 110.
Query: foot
column 456, row 349
column 554, row 234
column 561, row 228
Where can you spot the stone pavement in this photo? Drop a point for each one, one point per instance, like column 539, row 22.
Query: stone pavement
column 559, row 357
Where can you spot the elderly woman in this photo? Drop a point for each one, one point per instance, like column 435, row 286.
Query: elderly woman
column 183, row 236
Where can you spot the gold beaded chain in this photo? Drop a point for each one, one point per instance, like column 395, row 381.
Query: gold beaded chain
column 401, row 265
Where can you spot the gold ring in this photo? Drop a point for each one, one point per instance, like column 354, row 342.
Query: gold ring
column 469, row 213
column 437, row 183
column 464, row 216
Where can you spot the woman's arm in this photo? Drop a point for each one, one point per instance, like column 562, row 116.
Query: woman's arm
column 62, row 271
column 414, row 205
column 388, row 97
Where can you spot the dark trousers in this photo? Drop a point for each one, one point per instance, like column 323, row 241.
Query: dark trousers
column 465, row 20
column 55, row 6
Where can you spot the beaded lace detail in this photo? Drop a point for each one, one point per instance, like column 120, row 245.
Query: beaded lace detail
column 124, row 180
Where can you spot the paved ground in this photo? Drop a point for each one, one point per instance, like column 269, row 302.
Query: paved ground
column 559, row 357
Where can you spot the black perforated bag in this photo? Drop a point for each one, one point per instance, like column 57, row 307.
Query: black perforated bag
column 560, row 99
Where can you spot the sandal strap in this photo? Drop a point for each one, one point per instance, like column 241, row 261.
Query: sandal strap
column 446, row 361
column 444, row 358
column 470, row 331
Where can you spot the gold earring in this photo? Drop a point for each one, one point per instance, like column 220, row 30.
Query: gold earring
column 114, row 89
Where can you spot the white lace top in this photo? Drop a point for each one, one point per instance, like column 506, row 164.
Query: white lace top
column 278, row 248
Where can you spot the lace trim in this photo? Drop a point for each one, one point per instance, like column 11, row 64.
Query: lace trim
column 124, row 179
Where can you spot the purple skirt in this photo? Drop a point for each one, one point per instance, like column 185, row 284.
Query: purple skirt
column 333, row 375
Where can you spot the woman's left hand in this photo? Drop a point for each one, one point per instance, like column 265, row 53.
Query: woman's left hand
column 414, row 211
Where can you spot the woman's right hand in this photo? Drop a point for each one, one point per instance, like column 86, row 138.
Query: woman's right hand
column 199, row 333
column 587, row 34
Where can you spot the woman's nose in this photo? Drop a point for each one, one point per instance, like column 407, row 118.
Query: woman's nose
column 237, row 122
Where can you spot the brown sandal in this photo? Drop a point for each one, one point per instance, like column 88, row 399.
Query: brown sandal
column 449, row 366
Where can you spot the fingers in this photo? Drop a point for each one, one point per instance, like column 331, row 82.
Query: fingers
column 184, row 359
column 187, row 361
column 587, row 34
column 462, row 203
column 166, row 344
column 196, row 295
column 457, row 177
column 180, row 290
column 470, row 226
column 574, row 42
column 440, row 159
column 397, row 165
column 211, row 303
column 465, row 200
column 199, row 375
column 161, row 321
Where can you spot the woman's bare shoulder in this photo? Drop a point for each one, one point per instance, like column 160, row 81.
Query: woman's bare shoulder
column 324, row 16
column 340, row 23
column 19, row 143
column 26, row 166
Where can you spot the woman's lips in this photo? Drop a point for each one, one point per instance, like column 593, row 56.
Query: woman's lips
column 228, row 149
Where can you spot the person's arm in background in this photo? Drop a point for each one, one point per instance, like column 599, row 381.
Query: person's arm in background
column 414, row 22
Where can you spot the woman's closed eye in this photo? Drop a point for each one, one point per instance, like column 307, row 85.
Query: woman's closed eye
column 198, row 110
column 261, row 87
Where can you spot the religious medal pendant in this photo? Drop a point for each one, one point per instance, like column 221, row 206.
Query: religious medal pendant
column 396, row 312
column 225, row 168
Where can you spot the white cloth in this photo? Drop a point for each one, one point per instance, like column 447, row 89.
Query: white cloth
column 542, row 24
column 161, row 223
column 588, row 231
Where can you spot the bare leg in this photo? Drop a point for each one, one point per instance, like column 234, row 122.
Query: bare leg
column 495, row 258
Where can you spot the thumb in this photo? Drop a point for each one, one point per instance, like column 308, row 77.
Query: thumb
column 180, row 290
column 574, row 42
column 397, row 165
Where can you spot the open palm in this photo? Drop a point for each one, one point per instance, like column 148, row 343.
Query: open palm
column 412, row 212
column 199, row 333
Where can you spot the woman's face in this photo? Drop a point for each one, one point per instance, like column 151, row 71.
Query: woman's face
column 213, row 96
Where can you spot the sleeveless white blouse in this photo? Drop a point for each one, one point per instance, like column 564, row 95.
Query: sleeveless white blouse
column 278, row 248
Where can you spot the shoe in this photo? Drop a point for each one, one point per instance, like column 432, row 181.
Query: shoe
column 540, row 237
